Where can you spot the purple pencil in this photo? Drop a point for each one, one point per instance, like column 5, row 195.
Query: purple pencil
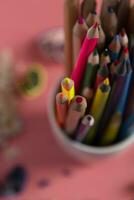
column 85, row 125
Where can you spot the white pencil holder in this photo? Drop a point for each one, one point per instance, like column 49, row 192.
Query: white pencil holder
column 80, row 151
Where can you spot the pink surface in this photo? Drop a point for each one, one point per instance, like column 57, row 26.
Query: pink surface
column 111, row 179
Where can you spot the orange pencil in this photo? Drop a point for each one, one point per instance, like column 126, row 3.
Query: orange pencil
column 61, row 108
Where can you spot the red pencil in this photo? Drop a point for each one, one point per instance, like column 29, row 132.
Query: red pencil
column 88, row 47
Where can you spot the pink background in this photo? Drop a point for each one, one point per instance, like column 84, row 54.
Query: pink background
column 111, row 179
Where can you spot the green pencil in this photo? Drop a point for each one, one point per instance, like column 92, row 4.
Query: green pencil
column 90, row 75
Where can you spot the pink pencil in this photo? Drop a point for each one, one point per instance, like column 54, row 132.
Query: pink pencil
column 88, row 47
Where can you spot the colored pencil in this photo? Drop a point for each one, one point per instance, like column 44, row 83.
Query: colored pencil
column 88, row 47
column 76, row 111
column 87, row 7
column 85, row 125
column 123, row 14
column 116, row 92
column 112, row 129
column 92, row 18
column 90, row 75
column 114, row 48
column 79, row 33
column 98, row 107
column 71, row 9
column 102, row 39
column 123, row 38
column 106, row 3
column 61, row 108
column 113, row 68
column 105, row 58
column 67, row 86
column 127, row 128
column 130, row 21
column 110, row 23
column 102, row 74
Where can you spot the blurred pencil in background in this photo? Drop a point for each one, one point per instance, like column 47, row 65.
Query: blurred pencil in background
column 71, row 12
column 110, row 23
column 102, row 40
column 113, row 69
column 131, row 21
column 87, row 7
column 123, row 14
column 123, row 38
column 114, row 48
column 92, row 18
column 106, row 3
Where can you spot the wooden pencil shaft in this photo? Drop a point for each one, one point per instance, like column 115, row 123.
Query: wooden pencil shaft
column 76, row 112
column 71, row 9
column 130, row 21
column 123, row 14
column 110, row 23
column 92, row 18
column 106, row 4
column 88, row 6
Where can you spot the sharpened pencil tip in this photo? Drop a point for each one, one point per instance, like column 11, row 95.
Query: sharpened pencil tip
column 95, row 25
column 80, row 20
column 123, row 32
column 79, row 99
column 106, row 81
column 66, row 80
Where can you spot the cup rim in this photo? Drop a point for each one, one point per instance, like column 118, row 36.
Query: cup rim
column 79, row 146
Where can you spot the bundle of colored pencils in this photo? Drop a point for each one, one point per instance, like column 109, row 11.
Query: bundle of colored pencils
column 92, row 104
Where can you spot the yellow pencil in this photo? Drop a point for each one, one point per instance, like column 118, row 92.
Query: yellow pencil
column 112, row 129
column 98, row 107
column 67, row 86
